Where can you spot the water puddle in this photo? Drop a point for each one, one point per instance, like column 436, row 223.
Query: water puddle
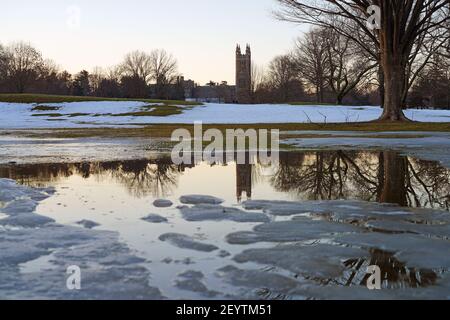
column 276, row 247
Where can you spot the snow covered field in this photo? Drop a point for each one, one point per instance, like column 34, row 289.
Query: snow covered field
column 94, row 114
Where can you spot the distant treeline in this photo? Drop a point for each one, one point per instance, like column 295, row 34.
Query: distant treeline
column 323, row 67
column 326, row 67
column 155, row 75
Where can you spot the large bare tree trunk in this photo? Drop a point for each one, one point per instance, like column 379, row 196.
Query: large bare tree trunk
column 394, row 182
column 394, row 86
column 381, row 88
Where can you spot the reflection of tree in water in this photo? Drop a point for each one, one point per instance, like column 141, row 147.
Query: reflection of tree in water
column 395, row 274
column 371, row 176
column 315, row 176
column 141, row 177
column 37, row 175
column 434, row 182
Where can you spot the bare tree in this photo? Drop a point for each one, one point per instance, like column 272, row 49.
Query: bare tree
column 96, row 77
column 24, row 65
column 402, row 27
column 137, row 64
column 283, row 77
column 164, row 70
column 3, row 64
column 257, row 79
column 347, row 63
column 432, row 87
column 311, row 61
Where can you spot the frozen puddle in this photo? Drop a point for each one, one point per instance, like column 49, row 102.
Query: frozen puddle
column 145, row 229
column 111, row 271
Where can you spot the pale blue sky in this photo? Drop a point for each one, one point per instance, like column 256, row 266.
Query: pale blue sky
column 202, row 34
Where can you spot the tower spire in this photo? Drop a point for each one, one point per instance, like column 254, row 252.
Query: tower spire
column 243, row 75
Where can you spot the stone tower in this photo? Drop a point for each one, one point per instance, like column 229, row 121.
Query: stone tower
column 243, row 75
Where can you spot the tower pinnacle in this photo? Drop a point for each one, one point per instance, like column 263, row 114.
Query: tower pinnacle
column 243, row 75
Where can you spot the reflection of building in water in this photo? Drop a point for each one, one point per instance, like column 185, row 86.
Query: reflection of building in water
column 367, row 176
column 243, row 181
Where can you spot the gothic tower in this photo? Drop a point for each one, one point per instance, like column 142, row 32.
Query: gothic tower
column 243, row 75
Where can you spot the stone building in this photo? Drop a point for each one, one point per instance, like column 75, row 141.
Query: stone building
column 243, row 75
column 224, row 93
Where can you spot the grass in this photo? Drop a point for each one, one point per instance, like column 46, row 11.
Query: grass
column 165, row 130
column 57, row 115
column 42, row 98
column 310, row 104
column 166, row 107
column 48, row 115
column 146, row 111
column 169, row 108
column 45, row 108
column 153, row 111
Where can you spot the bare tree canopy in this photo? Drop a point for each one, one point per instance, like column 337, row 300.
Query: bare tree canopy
column 311, row 60
column 3, row 62
column 137, row 64
column 283, row 77
column 163, row 66
column 164, row 70
column 403, row 26
column 23, row 64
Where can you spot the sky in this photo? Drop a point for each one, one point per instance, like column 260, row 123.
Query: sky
column 201, row 34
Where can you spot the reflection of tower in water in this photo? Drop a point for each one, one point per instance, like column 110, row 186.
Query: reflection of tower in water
column 243, row 181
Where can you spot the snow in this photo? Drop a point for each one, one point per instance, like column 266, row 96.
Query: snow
column 155, row 218
column 208, row 212
column 279, row 258
column 417, row 251
column 88, row 224
column 433, row 146
column 162, row 203
column 36, row 238
column 16, row 115
column 318, row 261
column 192, row 281
column 200, row 199
column 290, row 231
column 256, row 280
column 186, row 242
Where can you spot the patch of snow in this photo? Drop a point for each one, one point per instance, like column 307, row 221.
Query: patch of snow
column 26, row 220
column 258, row 281
column 88, row 224
column 109, row 269
column 415, row 250
column 315, row 261
column 442, row 230
column 162, row 203
column 154, row 218
column 200, row 199
column 191, row 274
column 192, row 281
column 16, row 115
column 185, row 242
column 208, row 212
column 291, row 231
